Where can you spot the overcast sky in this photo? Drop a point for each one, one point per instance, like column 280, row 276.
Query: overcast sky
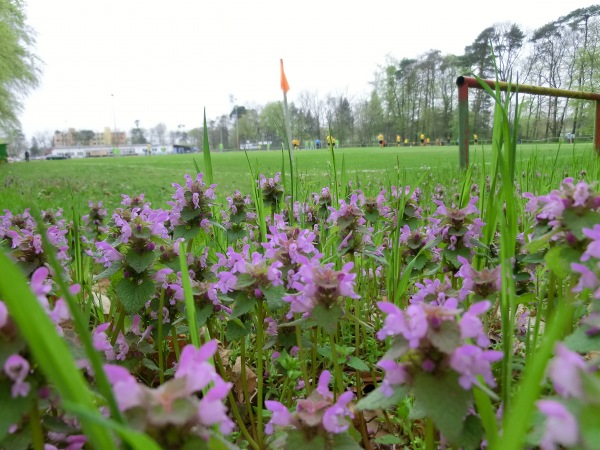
column 111, row 62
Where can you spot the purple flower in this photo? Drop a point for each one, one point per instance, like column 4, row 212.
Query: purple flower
column 470, row 361
column 471, row 326
column 587, row 279
column 101, row 341
column 17, row 368
column 323, row 385
column 279, row 415
column 412, row 323
column 194, row 365
column 593, row 248
column 128, row 392
column 393, row 323
column 335, row 417
column 212, row 411
column 561, row 426
column 564, row 371
column 395, row 375
column 3, row 314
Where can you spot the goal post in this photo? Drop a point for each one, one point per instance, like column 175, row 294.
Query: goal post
column 464, row 83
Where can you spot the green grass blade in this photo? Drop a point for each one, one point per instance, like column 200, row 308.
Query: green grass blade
column 190, row 306
column 135, row 439
column 48, row 348
column 208, row 172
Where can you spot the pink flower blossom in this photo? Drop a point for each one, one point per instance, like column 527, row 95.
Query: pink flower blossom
column 561, row 426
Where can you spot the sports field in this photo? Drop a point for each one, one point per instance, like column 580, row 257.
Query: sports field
column 48, row 182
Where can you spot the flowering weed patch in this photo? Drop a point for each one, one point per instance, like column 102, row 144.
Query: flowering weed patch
column 444, row 314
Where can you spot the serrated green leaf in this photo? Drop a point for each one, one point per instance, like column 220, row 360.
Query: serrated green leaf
column 244, row 280
column 236, row 330
column 358, row 364
column 452, row 255
column 446, row 338
column 243, row 304
column 274, row 295
column 378, row 400
column 343, row 441
column 203, row 314
column 187, row 232
column 559, row 259
column 297, row 440
column 134, row 295
column 576, row 222
column 140, row 261
column 149, row 364
column 327, row 318
column 444, row 401
column 581, row 342
column 109, row 271
column 13, row 408
column 388, row 439
column 188, row 214
column 472, row 433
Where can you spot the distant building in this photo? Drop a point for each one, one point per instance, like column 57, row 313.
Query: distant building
column 98, row 151
column 106, row 137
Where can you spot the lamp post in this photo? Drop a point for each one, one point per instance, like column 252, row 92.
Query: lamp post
column 233, row 100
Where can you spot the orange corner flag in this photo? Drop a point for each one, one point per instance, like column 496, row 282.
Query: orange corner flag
column 284, row 83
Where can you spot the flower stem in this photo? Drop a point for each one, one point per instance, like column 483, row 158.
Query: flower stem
column 303, row 359
column 37, row 434
column 232, row 402
column 429, row 434
column 118, row 327
column 176, row 342
column 339, row 383
column 159, row 339
column 244, row 380
column 260, row 342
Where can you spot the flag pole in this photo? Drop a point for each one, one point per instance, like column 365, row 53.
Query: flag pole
column 286, row 118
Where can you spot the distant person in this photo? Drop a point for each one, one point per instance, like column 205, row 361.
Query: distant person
column 448, row 140
column 380, row 139
column 398, row 140
column 26, row 156
column 334, row 142
column 296, row 144
column 427, row 141
column 317, row 143
column 437, row 142
column 328, row 138
column 406, row 142
column 475, row 139
column 422, row 137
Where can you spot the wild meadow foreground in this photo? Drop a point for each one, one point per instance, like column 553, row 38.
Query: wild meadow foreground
column 420, row 307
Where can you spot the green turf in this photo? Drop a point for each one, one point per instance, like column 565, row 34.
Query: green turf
column 47, row 182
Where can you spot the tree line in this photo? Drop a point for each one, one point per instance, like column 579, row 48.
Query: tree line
column 411, row 95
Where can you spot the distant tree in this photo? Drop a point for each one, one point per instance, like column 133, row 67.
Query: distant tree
column 44, row 139
column 138, row 135
column 34, row 149
column 83, row 137
column 159, row 134
column 19, row 67
column 271, row 121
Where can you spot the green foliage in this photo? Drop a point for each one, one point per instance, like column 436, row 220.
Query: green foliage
column 19, row 68
column 378, row 400
column 134, row 293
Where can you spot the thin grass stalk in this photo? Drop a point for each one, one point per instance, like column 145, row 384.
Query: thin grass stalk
column 208, row 172
column 334, row 170
column 80, row 326
column 159, row 338
column 190, row 307
column 48, row 349
column 260, row 342
column 232, row 401
column 518, row 421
